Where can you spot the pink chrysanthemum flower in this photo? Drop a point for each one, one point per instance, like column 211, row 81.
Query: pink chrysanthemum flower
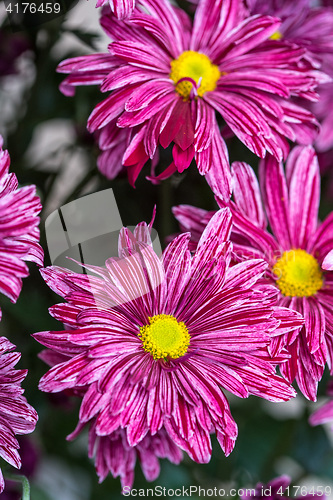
column 16, row 415
column 153, row 339
column 168, row 80
column 19, row 233
column 294, row 253
column 121, row 8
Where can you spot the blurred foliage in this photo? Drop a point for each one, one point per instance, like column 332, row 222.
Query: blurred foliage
column 263, row 440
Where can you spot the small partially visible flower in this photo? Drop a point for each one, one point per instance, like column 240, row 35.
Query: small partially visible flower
column 278, row 489
column 151, row 342
column 19, row 233
column 302, row 24
column 16, row 415
column 12, row 46
column 121, row 8
column 273, row 490
column 30, row 458
column 324, row 414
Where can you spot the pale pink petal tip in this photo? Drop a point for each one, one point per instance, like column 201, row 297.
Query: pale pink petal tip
column 328, row 262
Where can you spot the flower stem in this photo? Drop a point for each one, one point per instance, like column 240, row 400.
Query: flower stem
column 25, row 484
column 166, row 202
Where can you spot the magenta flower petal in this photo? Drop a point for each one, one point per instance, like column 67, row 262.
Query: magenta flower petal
column 209, row 162
column 177, row 267
column 179, row 126
column 247, row 193
column 260, row 242
column 107, row 110
column 204, row 127
column 243, row 273
column 208, row 19
column 90, row 70
column 182, row 158
column 304, row 194
column 277, row 200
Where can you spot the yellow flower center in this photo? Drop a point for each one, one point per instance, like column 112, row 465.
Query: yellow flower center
column 298, row 274
column 198, row 67
column 276, row 36
column 165, row 337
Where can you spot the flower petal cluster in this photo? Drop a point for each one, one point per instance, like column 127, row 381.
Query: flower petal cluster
column 19, row 233
column 169, row 80
column 151, row 340
column 114, row 454
column 294, row 252
column 16, row 415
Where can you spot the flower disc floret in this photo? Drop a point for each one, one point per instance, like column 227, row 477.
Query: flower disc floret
column 277, row 35
column 299, row 274
column 198, row 67
column 165, row 337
